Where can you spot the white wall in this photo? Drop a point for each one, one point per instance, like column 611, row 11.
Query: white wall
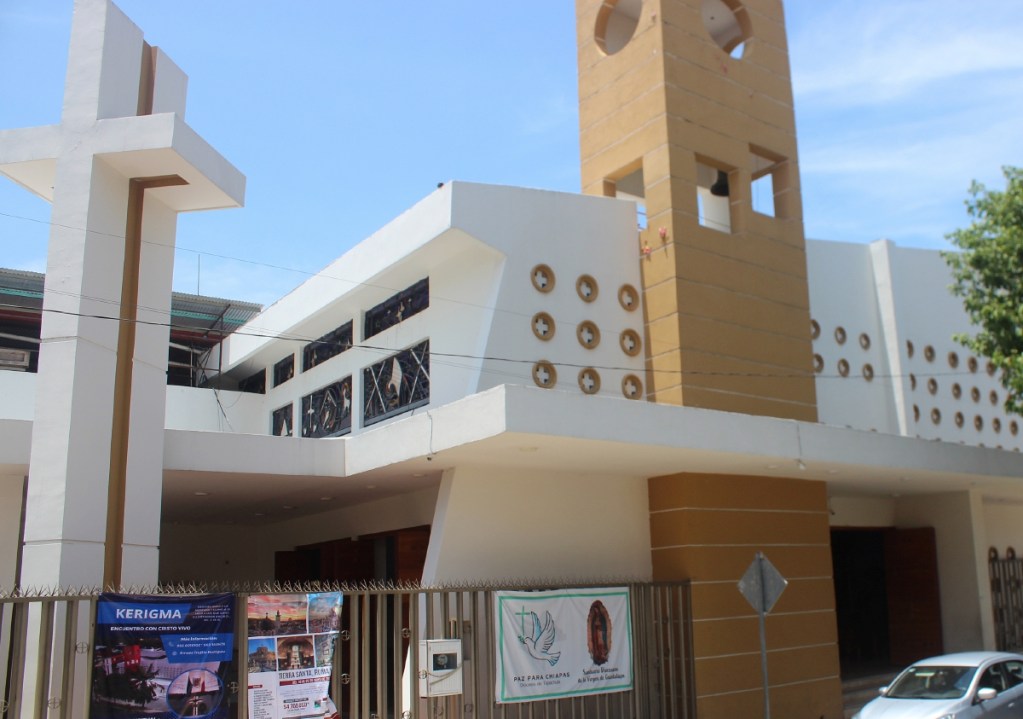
column 897, row 297
column 842, row 296
column 1002, row 520
column 506, row 525
column 19, row 392
column 208, row 410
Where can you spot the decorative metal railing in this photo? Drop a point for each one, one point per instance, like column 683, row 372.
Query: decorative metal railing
column 396, row 384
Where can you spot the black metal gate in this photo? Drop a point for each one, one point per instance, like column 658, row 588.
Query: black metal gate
column 1007, row 599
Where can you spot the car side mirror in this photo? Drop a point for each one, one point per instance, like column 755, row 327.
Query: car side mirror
column 985, row 693
column 882, row 690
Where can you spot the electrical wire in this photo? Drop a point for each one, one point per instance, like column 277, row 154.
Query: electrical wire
column 388, row 351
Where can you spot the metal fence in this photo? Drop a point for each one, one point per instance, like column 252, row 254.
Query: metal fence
column 1007, row 599
column 46, row 656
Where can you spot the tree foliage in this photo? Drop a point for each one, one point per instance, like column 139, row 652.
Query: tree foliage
column 988, row 276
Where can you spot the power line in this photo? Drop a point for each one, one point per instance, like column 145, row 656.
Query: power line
column 344, row 346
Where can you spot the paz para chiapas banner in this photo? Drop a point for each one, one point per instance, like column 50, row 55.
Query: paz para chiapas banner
column 562, row 643
column 162, row 657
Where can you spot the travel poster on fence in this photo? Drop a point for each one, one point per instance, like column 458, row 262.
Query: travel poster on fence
column 162, row 656
column 563, row 643
column 291, row 640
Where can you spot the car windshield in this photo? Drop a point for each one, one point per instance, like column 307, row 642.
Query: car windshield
column 932, row 683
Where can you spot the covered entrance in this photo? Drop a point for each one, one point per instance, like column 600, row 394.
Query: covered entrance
column 886, row 598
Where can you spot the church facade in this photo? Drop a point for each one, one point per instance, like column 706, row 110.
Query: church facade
column 507, row 384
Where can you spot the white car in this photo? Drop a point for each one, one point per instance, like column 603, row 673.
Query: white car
column 954, row 686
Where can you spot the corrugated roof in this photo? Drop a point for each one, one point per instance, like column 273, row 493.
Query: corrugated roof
column 24, row 289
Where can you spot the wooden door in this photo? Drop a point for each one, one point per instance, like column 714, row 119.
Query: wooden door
column 914, row 603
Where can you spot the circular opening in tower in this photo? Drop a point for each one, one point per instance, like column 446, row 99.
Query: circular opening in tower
column 616, row 23
column 728, row 24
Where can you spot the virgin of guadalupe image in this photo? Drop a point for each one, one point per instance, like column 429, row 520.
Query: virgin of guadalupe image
column 598, row 633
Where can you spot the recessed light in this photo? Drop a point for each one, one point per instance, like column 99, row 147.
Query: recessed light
column 371, row 486
column 286, row 506
column 326, row 499
column 201, row 494
column 258, row 514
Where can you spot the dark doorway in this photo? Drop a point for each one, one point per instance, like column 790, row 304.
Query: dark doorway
column 886, row 598
column 861, row 601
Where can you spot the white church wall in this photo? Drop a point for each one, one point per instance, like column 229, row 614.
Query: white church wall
column 19, row 392
column 870, row 512
column 950, row 397
column 899, row 298
column 1002, row 522
column 574, row 236
column 351, row 272
column 494, row 524
column 844, row 306
column 957, row 518
column 208, row 410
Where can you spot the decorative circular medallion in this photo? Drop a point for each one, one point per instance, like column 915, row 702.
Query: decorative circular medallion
column 868, row 372
column 543, row 326
column 864, row 340
column 628, row 298
column 588, row 334
column 587, row 288
column 630, row 342
column 815, row 329
column 589, row 380
column 818, row 364
column 632, row 386
column 544, row 374
column 843, row 367
column 542, row 278
column 840, row 335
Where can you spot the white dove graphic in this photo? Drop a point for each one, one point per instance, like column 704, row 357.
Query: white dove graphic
column 543, row 637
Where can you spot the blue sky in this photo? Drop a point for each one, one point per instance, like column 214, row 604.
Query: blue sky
column 342, row 114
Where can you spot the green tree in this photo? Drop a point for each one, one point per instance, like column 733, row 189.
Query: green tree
column 988, row 276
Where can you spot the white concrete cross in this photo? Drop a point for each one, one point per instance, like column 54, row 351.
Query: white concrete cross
column 117, row 169
column 542, row 328
column 631, row 389
column 543, row 376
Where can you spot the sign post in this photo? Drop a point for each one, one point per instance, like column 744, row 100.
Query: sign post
column 762, row 584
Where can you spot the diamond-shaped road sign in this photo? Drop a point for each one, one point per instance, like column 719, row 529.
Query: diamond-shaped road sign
column 762, row 584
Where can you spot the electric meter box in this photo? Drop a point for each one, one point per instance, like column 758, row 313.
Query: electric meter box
column 440, row 667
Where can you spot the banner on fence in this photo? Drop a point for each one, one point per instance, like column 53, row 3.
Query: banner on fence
column 159, row 656
column 562, row 643
column 291, row 640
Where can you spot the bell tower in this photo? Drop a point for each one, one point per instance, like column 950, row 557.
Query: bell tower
column 686, row 106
